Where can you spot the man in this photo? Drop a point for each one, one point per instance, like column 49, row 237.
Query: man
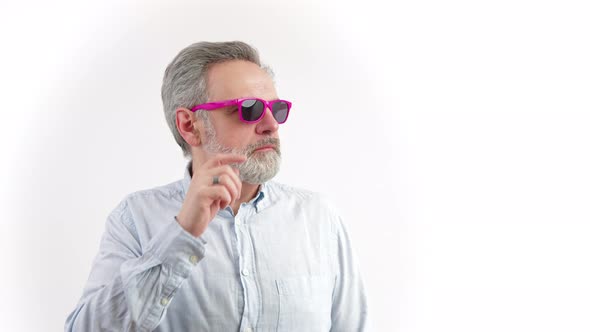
column 225, row 248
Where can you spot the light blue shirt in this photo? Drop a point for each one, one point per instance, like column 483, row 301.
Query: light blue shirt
column 283, row 263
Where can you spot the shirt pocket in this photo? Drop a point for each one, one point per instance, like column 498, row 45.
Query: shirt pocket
column 305, row 303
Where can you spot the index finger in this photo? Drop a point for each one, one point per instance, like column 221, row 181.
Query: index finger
column 226, row 158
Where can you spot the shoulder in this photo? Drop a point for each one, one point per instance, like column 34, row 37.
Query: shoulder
column 280, row 190
column 312, row 202
column 171, row 192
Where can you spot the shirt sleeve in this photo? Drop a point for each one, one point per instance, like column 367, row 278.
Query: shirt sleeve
column 349, row 301
column 130, row 285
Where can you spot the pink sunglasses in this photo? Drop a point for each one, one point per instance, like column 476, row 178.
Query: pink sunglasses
column 252, row 109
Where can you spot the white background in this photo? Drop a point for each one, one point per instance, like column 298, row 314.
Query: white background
column 453, row 135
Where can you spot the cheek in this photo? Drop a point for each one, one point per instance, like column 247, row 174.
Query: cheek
column 239, row 137
column 232, row 132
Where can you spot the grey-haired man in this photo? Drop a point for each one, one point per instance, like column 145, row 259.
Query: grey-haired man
column 225, row 248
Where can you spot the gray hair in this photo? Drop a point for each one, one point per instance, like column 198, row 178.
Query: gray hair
column 185, row 79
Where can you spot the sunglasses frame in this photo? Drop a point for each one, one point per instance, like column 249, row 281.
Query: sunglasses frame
column 232, row 102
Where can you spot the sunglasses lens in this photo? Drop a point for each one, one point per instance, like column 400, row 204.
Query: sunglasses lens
column 252, row 109
column 280, row 110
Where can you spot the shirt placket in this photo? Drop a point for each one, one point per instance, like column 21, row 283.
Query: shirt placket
column 247, row 270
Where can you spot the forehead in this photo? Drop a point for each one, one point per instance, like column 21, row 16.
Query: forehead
column 238, row 79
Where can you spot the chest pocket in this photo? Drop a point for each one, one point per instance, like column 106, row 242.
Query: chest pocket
column 305, row 303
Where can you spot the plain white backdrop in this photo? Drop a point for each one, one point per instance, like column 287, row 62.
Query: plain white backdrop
column 454, row 136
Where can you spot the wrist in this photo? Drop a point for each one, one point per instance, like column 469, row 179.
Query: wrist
column 191, row 228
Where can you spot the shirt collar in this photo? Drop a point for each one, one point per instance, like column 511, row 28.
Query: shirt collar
column 260, row 196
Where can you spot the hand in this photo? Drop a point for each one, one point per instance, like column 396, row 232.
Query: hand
column 204, row 199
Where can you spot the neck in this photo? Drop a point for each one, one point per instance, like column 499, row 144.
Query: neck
column 249, row 190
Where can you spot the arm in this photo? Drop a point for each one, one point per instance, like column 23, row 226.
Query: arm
column 130, row 285
column 349, row 303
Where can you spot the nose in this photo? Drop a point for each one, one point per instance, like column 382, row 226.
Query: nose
column 268, row 124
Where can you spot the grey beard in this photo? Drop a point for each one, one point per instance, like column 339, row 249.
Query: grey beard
column 259, row 167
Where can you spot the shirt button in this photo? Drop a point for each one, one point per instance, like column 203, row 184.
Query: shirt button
column 248, row 330
column 194, row 259
column 245, row 272
column 164, row 301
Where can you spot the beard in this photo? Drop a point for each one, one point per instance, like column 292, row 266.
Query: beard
column 259, row 167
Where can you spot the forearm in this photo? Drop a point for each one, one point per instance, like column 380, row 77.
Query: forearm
column 135, row 298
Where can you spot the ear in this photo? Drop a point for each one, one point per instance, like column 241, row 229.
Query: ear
column 188, row 126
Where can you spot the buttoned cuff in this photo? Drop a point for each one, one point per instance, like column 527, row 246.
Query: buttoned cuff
column 177, row 249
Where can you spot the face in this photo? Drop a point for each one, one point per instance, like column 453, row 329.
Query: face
column 224, row 132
